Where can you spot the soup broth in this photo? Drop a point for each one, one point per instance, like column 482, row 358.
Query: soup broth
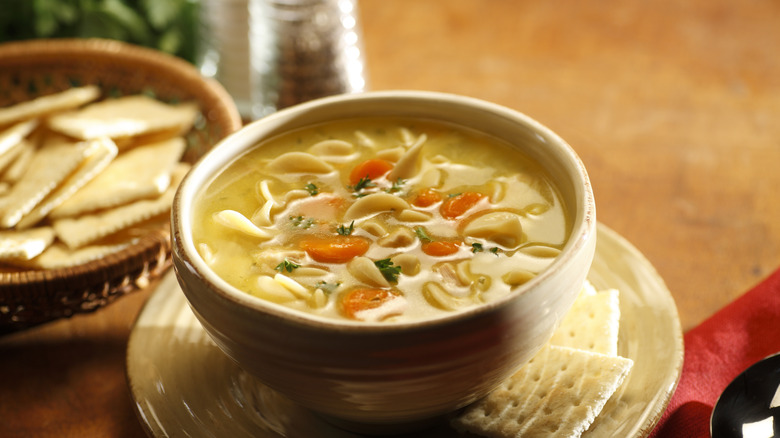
column 380, row 220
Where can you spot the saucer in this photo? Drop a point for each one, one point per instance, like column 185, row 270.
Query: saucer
column 183, row 385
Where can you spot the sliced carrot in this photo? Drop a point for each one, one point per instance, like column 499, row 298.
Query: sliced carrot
column 440, row 248
column 426, row 198
column 457, row 205
column 371, row 169
column 358, row 300
column 334, row 249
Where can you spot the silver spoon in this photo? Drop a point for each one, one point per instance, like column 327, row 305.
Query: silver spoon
column 749, row 407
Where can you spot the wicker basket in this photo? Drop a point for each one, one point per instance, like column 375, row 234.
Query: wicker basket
column 40, row 67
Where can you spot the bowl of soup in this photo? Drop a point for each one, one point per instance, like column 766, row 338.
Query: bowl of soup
column 384, row 258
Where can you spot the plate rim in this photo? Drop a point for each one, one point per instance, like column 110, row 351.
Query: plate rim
column 651, row 415
column 672, row 379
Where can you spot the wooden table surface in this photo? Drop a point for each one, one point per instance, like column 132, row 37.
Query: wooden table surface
column 674, row 107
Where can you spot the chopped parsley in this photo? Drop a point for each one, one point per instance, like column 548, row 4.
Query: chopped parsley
column 452, row 195
column 301, row 222
column 478, row 247
column 328, row 288
column 396, row 187
column 286, row 265
column 346, row 231
column 420, row 231
column 388, row 270
column 361, row 185
column 312, row 189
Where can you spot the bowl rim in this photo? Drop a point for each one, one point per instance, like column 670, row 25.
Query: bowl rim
column 185, row 255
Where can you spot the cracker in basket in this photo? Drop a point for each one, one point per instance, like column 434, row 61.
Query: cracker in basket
column 21, row 162
column 48, row 168
column 11, row 155
column 60, row 256
column 24, row 245
column 62, row 101
column 99, row 154
column 77, row 232
column 558, row 393
column 127, row 143
column 141, row 173
column 124, row 117
column 593, row 322
column 11, row 137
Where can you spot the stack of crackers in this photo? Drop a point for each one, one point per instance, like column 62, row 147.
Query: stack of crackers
column 82, row 178
column 561, row 390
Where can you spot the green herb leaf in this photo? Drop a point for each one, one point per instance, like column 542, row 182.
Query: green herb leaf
column 328, row 288
column 396, row 187
column 170, row 25
column 388, row 270
column 286, row 265
column 312, row 189
column 170, row 41
column 127, row 17
column 161, row 14
column 476, row 247
column 301, row 222
column 452, row 195
column 346, row 231
column 422, row 235
column 494, row 251
column 363, row 183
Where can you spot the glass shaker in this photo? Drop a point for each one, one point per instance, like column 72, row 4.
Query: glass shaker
column 224, row 48
column 302, row 50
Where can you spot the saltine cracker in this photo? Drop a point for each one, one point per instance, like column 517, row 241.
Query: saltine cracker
column 124, row 117
column 58, row 255
column 592, row 324
column 140, row 173
column 24, row 245
column 80, row 231
column 48, row 168
column 11, row 137
column 41, row 106
column 99, row 154
column 557, row 393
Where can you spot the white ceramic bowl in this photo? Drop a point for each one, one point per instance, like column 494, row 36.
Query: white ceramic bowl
column 377, row 376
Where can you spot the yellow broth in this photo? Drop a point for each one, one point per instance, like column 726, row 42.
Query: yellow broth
column 446, row 219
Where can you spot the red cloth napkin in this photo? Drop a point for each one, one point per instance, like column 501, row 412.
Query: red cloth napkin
column 718, row 350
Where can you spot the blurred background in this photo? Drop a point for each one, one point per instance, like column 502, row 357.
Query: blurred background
column 167, row 25
column 268, row 54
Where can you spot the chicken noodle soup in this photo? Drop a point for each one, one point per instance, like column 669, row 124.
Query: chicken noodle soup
column 380, row 220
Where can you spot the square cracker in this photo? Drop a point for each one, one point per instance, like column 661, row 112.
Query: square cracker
column 99, row 154
column 77, row 232
column 48, row 168
column 24, row 245
column 124, row 117
column 143, row 172
column 12, row 154
column 62, row 101
column 593, row 322
column 12, row 136
column 14, row 170
column 558, row 393
column 60, row 256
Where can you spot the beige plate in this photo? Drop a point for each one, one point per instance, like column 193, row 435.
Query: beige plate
column 183, row 385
